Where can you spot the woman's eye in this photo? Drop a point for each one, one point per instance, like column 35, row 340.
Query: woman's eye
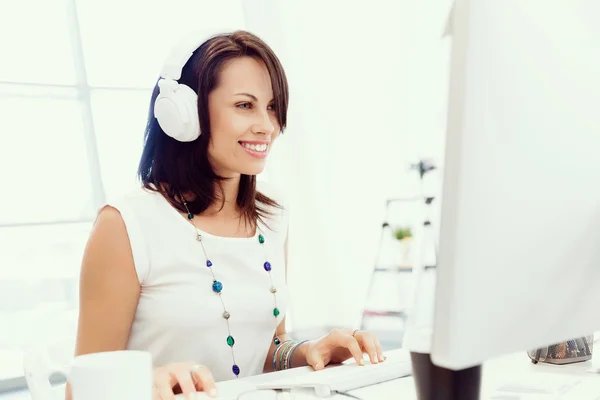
column 271, row 107
column 244, row 106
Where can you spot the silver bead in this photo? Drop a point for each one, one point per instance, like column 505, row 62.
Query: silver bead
column 273, row 290
column 199, row 237
column 226, row 315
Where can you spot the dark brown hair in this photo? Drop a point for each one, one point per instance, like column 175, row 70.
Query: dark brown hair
column 172, row 167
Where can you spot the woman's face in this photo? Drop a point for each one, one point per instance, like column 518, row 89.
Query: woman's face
column 242, row 118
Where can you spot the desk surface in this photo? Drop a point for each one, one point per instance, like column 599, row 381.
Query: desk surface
column 496, row 372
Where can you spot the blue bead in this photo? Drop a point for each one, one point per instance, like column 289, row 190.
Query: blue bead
column 267, row 266
column 208, row 263
column 276, row 341
column 217, row 286
column 190, row 216
column 235, row 369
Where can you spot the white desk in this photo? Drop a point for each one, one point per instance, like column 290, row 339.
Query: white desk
column 495, row 373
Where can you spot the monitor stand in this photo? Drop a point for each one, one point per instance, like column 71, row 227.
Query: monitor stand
column 437, row 383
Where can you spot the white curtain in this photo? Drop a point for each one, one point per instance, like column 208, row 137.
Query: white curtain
column 368, row 97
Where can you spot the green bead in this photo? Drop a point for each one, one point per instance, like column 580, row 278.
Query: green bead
column 230, row 341
column 261, row 239
column 276, row 311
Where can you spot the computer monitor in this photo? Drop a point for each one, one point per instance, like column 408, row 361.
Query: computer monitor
column 519, row 247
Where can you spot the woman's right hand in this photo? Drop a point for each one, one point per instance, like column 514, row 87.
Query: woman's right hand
column 189, row 376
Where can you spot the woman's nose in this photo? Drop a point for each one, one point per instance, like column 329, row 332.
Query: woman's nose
column 264, row 125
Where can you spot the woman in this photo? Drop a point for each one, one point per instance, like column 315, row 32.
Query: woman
column 191, row 267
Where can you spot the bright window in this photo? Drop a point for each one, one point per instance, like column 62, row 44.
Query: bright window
column 75, row 83
column 120, row 119
column 42, row 145
column 36, row 46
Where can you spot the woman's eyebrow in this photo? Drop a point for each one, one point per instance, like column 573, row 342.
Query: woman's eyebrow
column 247, row 94
column 253, row 97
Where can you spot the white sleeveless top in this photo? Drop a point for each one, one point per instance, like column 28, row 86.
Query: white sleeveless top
column 179, row 317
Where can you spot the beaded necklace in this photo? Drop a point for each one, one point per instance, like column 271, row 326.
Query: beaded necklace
column 217, row 286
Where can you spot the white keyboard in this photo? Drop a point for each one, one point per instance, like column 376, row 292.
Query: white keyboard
column 347, row 377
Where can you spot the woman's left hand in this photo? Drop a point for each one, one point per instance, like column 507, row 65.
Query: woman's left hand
column 340, row 345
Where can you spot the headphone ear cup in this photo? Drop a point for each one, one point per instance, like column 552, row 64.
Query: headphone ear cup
column 176, row 109
column 189, row 100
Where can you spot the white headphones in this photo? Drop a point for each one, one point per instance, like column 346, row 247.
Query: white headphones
column 176, row 107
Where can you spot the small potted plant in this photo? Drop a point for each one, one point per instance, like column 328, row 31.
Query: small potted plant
column 404, row 236
column 403, row 233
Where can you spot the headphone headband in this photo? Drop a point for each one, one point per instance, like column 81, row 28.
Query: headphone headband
column 181, row 53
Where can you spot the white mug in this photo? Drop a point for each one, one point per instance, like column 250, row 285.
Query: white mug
column 114, row 375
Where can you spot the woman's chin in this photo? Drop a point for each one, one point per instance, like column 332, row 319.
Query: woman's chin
column 251, row 171
column 254, row 168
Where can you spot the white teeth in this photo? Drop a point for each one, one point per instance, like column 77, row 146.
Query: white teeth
column 255, row 147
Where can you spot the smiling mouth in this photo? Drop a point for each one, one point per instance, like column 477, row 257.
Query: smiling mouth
column 259, row 148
